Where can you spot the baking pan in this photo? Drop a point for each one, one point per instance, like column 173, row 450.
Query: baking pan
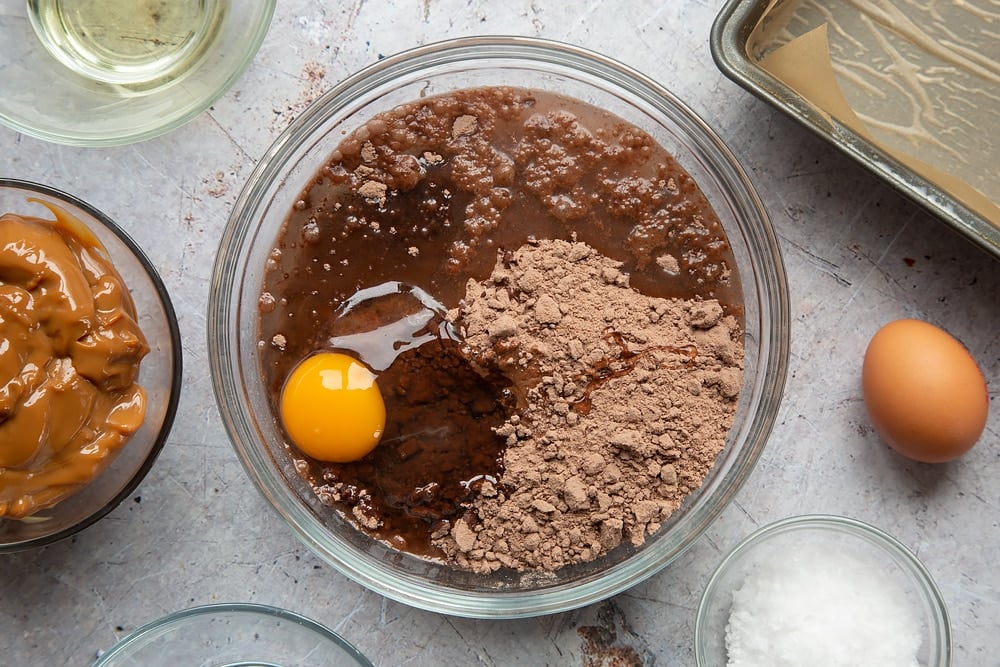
column 942, row 71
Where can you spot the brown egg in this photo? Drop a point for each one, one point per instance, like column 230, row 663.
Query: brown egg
column 924, row 392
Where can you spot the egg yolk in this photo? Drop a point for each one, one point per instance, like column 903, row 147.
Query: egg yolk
column 332, row 408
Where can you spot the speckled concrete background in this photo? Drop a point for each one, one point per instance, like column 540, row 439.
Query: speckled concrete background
column 857, row 255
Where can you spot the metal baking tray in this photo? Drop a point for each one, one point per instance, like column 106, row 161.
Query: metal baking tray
column 738, row 49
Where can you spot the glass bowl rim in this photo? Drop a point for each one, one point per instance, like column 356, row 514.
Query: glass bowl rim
column 176, row 375
column 843, row 525
column 410, row 589
column 251, row 609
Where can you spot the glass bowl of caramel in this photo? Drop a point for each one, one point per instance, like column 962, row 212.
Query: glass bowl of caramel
column 498, row 326
column 90, row 365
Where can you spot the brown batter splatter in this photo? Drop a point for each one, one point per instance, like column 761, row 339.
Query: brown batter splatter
column 602, row 646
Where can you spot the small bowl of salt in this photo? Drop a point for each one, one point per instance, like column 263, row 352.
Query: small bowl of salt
column 823, row 591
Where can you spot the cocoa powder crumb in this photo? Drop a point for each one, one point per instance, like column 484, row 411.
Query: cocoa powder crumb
column 368, row 153
column 464, row 124
column 621, row 416
column 373, row 190
column 669, row 264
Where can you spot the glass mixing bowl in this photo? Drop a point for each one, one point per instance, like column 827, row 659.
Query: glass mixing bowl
column 159, row 373
column 292, row 162
column 781, row 542
column 233, row 635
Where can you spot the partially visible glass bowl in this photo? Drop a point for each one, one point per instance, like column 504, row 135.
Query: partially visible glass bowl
column 44, row 98
column 292, row 162
column 233, row 635
column 159, row 374
column 779, row 542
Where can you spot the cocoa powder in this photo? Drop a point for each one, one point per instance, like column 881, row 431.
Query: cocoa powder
column 624, row 403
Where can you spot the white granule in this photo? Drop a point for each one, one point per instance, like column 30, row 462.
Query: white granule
column 821, row 608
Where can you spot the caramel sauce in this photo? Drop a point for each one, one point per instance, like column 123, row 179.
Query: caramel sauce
column 69, row 356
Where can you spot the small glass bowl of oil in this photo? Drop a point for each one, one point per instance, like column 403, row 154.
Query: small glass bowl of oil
column 112, row 72
column 137, row 42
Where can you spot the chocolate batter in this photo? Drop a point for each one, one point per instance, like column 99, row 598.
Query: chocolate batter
column 412, row 205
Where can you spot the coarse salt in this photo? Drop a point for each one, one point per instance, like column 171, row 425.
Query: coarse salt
column 822, row 608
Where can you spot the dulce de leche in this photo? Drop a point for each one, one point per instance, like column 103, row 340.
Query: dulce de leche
column 70, row 349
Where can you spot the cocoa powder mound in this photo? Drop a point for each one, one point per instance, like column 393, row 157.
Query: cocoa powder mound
column 624, row 403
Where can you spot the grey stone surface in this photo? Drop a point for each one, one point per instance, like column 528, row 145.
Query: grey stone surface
column 857, row 254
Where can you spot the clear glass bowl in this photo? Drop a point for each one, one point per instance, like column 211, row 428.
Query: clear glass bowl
column 233, row 635
column 291, row 163
column 44, row 98
column 159, row 374
column 781, row 540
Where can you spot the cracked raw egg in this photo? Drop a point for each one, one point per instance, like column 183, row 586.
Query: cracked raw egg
column 924, row 392
column 332, row 409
